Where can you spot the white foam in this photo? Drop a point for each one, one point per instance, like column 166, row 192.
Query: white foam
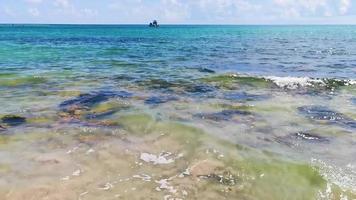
column 293, row 82
column 352, row 82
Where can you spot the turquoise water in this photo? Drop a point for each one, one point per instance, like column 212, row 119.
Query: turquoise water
column 317, row 51
column 106, row 111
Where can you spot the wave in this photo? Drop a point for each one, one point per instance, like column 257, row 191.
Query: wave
column 297, row 82
column 290, row 82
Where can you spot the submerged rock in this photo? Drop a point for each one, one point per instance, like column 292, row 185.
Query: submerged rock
column 100, row 115
column 106, row 109
column 302, row 136
column 91, row 99
column 351, row 124
column 322, row 113
column 243, row 96
column 157, row 84
column 206, row 70
column 295, row 139
column 13, row 120
column 156, row 100
column 180, row 86
column 310, row 137
column 353, row 100
column 225, row 115
column 198, row 88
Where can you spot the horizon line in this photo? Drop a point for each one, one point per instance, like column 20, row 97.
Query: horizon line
column 185, row 24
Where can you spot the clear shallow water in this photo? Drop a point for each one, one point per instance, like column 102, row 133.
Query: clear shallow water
column 191, row 112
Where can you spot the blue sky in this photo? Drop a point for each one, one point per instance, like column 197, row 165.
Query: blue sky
column 179, row 11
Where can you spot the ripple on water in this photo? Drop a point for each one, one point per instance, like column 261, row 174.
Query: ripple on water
column 244, row 96
column 225, row 115
column 156, row 100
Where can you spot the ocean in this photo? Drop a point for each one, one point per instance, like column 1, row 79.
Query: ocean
column 177, row 112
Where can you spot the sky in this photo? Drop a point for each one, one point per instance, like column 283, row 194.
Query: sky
column 178, row 11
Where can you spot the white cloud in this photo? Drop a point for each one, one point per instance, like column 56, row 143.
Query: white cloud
column 180, row 11
column 34, row 12
column 344, row 6
column 309, row 5
column 135, row 11
column 174, row 11
column 88, row 12
column 292, row 9
column 9, row 12
column 34, row 1
column 62, row 3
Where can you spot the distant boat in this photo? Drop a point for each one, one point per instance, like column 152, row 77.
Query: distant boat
column 154, row 24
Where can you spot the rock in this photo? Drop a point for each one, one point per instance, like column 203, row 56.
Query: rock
column 224, row 115
column 156, row 100
column 13, row 120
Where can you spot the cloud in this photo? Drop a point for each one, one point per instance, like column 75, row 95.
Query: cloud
column 174, row 11
column 344, row 6
column 9, row 12
column 34, row 12
column 62, row 3
column 135, row 11
column 88, row 12
column 34, row 1
column 316, row 8
column 305, row 5
column 178, row 11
